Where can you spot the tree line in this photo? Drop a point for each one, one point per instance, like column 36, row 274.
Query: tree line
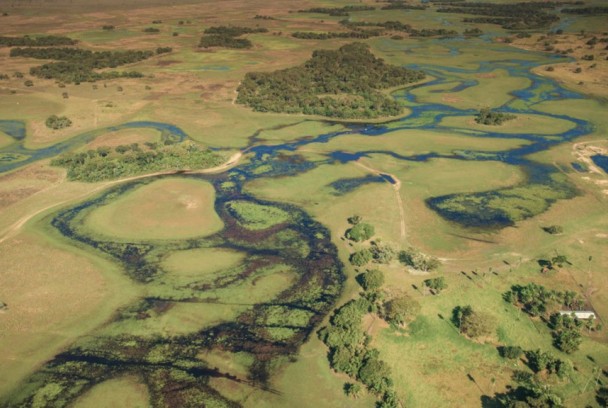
column 341, row 83
column 337, row 11
column 516, row 16
column 78, row 65
column 41, row 41
column 105, row 163
column 226, row 36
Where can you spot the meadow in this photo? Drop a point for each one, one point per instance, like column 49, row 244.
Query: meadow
column 210, row 289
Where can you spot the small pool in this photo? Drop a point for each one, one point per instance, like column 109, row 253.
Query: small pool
column 601, row 161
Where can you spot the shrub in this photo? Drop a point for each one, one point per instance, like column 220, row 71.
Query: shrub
column 360, row 232
column 58, row 122
column 361, row 257
column 401, row 310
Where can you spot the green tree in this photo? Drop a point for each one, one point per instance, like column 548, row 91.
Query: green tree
column 401, row 310
column 568, row 340
column 361, row 257
column 360, row 232
column 472, row 323
column 352, row 390
column 371, row 280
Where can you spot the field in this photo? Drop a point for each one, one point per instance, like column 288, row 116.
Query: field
column 209, row 288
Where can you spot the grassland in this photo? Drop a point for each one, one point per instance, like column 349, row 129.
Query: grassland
column 62, row 293
column 166, row 209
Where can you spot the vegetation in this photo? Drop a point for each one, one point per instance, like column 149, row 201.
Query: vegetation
column 337, row 11
column 225, row 36
column 515, row 16
column 371, row 280
column 254, row 216
column 57, row 122
column 417, row 260
column 586, row 10
column 436, row 285
column 489, row 117
column 318, row 87
column 349, row 352
column 78, row 65
column 106, row 164
column 536, row 300
column 400, row 310
column 39, row 41
column 360, row 232
column 361, row 257
column 554, row 229
column 401, row 27
column 471, row 323
column 511, row 352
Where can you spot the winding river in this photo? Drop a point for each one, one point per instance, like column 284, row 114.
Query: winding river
column 301, row 244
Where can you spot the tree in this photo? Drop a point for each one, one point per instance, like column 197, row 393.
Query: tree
column 360, row 232
column 355, row 219
column 417, row 260
column 375, row 374
column 361, row 257
column 352, row 389
column 401, row 310
column 554, row 229
column 568, row 340
column 436, row 284
column 511, row 352
column 472, row 323
column 371, row 280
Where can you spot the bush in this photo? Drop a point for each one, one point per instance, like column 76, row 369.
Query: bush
column 472, row 323
column 554, row 229
column 371, row 280
column 360, row 232
column 436, row 284
column 361, row 257
column 510, row 352
column 401, row 310
column 58, row 122
column 489, row 117
column 417, row 260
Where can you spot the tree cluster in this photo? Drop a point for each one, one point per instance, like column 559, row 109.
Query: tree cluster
column 341, row 83
column 358, row 34
column 401, row 5
column 57, row 122
column 586, row 10
column 536, row 300
column 413, row 258
column 515, row 16
column 337, row 11
column 78, row 65
column 226, row 36
column 41, row 41
column 107, row 164
column 401, row 27
column 400, row 310
column 360, row 232
column 492, row 118
column 472, row 323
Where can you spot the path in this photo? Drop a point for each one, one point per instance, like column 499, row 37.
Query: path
column 13, row 229
column 396, row 188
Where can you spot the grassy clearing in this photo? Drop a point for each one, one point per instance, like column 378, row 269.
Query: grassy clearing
column 254, row 216
column 124, row 392
column 165, row 209
column 5, row 140
column 533, row 124
column 414, row 142
column 201, row 262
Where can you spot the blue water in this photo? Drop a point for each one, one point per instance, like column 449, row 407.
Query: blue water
column 601, row 162
column 424, row 116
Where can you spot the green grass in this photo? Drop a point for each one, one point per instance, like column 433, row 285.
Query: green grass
column 196, row 263
column 5, row 140
column 254, row 216
column 124, row 392
column 165, row 209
